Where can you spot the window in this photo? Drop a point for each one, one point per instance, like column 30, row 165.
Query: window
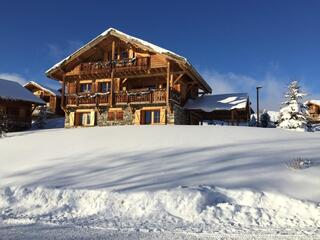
column 124, row 55
column 85, row 87
column 151, row 117
column 119, row 115
column 156, row 116
column 111, row 116
column 115, row 115
column 85, row 119
column 104, row 87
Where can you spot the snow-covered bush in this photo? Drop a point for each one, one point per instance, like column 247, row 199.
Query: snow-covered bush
column 299, row 163
column 265, row 119
column 293, row 114
column 3, row 124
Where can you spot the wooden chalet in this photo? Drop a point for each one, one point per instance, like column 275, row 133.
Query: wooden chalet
column 230, row 109
column 51, row 96
column 120, row 79
column 314, row 110
column 16, row 103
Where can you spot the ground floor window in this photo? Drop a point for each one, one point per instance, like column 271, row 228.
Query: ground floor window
column 85, row 119
column 115, row 115
column 150, row 117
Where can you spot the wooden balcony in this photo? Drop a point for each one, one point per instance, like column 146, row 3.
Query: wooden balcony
column 88, row 99
column 141, row 96
column 103, row 68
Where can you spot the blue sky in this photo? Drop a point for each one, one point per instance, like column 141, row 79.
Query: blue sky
column 236, row 45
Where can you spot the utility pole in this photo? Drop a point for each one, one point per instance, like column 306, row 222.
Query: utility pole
column 258, row 114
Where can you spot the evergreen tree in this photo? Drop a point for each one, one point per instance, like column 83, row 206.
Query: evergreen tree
column 265, row 119
column 293, row 114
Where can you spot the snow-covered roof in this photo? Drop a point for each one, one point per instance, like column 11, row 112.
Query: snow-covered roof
column 14, row 91
column 209, row 103
column 315, row 102
column 44, row 88
column 134, row 40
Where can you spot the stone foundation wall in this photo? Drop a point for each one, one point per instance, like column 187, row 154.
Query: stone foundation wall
column 178, row 116
column 102, row 117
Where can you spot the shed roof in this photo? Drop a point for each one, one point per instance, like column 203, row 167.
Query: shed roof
column 210, row 103
column 14, row 91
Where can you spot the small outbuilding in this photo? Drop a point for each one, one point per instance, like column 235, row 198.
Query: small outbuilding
column 51, row 96
column 17, row 105
column 230, row 109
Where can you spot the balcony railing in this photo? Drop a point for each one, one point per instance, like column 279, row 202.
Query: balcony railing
column 124, row 97
column 98, row 98
column 105, row 67
column 141, row 96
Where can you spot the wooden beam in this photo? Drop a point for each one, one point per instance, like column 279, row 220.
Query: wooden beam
column 63, row 90
column 168, row 84
column 178, row 78
column 112, row 73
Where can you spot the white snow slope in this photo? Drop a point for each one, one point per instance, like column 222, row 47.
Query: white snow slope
column 208, row 179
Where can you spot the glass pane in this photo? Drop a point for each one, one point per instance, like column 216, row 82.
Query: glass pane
column 156, row 116
column 147, row 118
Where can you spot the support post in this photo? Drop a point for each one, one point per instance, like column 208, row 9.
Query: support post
column 63, row 91
column 168, row 84
column 258, row 114
column 112, row 74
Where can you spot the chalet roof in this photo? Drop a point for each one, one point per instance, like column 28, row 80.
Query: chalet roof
column 209, row 103
column 44, row 88
column 14, row 91
column 314, row 102
column 135, row 41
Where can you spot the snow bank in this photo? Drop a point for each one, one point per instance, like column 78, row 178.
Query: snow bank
column 202, row 209
column 128, row 178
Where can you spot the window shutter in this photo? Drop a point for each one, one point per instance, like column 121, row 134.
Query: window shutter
column 137, row 117
column 162, row 116
column 71, row 119
column 92, row 118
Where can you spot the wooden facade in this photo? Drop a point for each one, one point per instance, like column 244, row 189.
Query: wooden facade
column 50, row 96
column 314, row 111
column 118, row 79
column 17, row 105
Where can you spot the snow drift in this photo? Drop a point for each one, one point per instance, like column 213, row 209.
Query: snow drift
column 202, row 209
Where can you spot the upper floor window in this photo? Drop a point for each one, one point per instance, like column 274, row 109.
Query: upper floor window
column 104, row 87
column 124, row 55
column 85, row 87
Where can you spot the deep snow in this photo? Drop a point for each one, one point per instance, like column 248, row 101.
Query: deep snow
column 211, row 179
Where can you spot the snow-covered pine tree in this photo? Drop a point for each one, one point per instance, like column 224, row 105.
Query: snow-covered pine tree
column 265, row 119
column 293, row 114
column 3, row 124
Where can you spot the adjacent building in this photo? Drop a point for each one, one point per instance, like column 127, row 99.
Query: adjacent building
column 17, row 104
column 51, row 96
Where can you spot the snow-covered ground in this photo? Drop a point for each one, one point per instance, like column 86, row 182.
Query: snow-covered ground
column 162, row 179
